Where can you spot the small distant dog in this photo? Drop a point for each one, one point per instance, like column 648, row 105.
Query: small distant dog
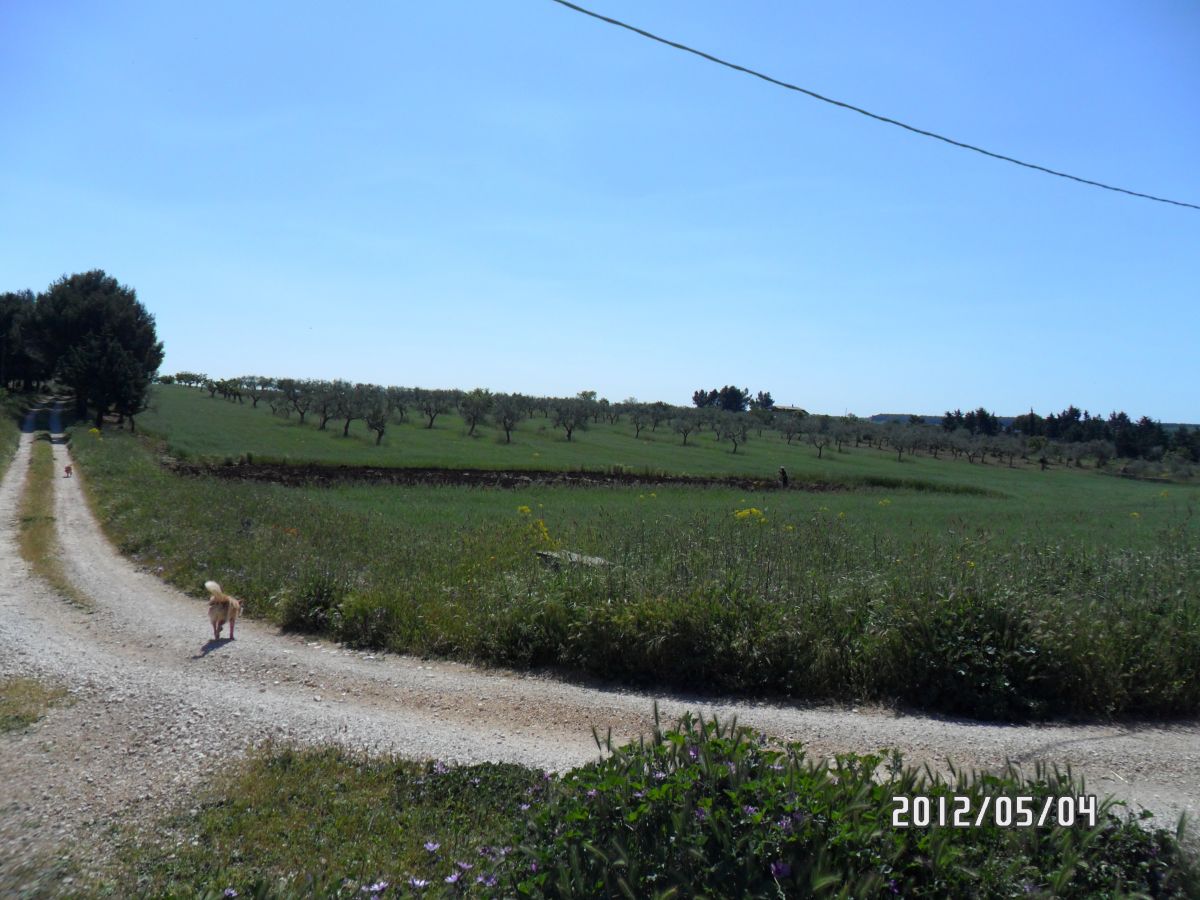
column 68, row 472
column 221, row 609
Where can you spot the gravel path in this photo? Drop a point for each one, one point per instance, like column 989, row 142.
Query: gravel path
column 156, row 707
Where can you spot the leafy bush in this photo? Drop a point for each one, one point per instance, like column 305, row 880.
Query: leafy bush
column 708, row 810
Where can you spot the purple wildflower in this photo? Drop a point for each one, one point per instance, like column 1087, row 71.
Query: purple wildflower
column 440, row 768
column 418, row 883
column 453, row 877
column 785, row 824
column 230, row 892
column 523, row 807
column 432, row 846
column 895, row 889
column 592, row 794
column 487, row 851
column 377, row 888
column 693, row 752
column 486, row 880
column 638, row 795
column 465, row 866
column 701, row 813
column 750, row 810
column 659, row 776
column 780, row 869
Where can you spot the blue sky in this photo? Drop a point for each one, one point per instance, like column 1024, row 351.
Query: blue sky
column 511, row 195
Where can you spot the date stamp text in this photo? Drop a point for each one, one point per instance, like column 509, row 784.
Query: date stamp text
column 958, row 811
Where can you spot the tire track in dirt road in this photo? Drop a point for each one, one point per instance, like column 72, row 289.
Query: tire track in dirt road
column 157, row 708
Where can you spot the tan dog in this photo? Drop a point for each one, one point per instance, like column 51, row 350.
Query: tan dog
column 221, row 609
column 69, row 471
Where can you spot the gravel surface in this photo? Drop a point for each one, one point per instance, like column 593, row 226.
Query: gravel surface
column 156, row 708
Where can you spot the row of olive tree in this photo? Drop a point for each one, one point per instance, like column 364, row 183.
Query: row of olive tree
column 322, row 402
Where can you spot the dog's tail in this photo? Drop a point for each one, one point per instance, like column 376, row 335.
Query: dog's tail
column 213, row 588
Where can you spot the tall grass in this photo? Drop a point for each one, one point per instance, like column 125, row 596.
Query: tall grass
column 10, row 428
column 704, row 590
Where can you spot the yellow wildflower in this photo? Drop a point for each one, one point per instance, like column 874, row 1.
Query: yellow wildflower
column 524, row 510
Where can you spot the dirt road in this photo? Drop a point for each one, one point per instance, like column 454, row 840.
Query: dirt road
column 157, row 707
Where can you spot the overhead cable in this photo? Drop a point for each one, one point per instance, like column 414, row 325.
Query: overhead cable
column 930, row 134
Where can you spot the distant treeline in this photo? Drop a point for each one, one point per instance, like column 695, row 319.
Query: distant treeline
column 978, row 439
column 1143, row 439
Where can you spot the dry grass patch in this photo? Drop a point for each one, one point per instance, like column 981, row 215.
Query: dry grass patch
column 25, row 700
column 38, row 538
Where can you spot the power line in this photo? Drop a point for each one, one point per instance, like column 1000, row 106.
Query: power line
column 930, row 134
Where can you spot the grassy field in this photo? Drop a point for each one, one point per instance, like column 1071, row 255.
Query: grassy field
column 702, row 809
column 196, row 426
column 1069, row 594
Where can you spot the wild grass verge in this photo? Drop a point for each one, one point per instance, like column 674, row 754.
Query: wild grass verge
column 702, row 809
column 25, row 700
column 10, row 428
column 38, row 540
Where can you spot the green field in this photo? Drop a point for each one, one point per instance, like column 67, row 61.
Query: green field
column 196, row 426
column 1057, row 593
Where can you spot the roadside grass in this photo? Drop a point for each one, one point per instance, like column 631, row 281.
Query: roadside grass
column 10, row 428
column 38, row 541
column 318, row 818
column 703, row 809
column 1070, row 605
column 25, row 700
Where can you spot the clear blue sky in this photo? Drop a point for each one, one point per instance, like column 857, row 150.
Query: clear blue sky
column 511, row 195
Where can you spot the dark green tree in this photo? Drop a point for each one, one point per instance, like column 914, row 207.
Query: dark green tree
column 98, row 340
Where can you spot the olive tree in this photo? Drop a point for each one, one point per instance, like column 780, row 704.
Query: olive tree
column 508, row 410
column 474, row 408
column 433, row 403
column 571, row 413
